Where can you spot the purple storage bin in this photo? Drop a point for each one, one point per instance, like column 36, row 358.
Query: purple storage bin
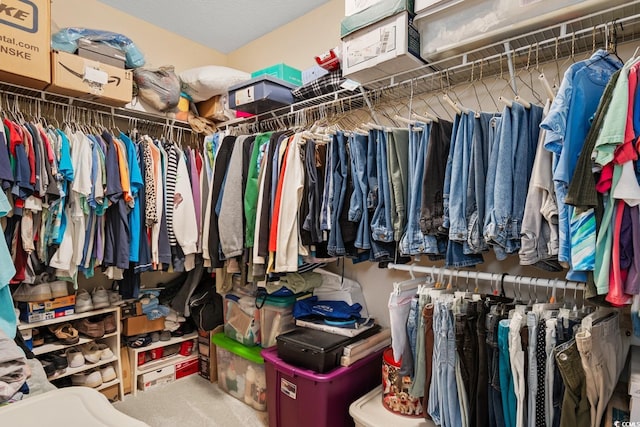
column 297, row 396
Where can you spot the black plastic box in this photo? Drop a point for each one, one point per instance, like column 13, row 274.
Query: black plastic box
column 316, row 350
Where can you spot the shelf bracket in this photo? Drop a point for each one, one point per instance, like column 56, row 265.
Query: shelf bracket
column 512, row 75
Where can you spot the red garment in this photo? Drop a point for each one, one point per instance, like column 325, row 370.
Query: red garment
column 617, row 277
column 14, row 137
column 606, row 179
column 273, row 230
column 19, row 257
column 199, row 163
column 629, row 133
column 47, row 146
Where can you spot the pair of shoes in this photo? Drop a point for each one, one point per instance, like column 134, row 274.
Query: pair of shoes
column 99, row 298
column 65, row 333
column 93, row 328
column 37, row 338
column 95, row 352
column 109, row 323
column 94, row 378
column 52, row 363
column 41, row 292
column 75, row 357
column 139, row 341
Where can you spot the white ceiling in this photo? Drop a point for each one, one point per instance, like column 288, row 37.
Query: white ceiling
column 223, row 25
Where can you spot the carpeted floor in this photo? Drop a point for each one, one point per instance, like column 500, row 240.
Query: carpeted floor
column 190, row 402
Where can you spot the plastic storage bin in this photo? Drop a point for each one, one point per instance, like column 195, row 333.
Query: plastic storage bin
column 242, row 319
column 241, row 371
column 264, row 93
column 276, row 317
column 299, row 397
column 369, row 412
column 373, row 13
column 387, row 47
column 454, row 26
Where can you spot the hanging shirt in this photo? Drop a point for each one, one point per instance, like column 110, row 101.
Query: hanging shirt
column 135, row 184
column 7, row 271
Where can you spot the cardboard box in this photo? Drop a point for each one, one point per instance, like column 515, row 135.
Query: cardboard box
column 83, row 78
column 213, row 108
column 126, row 370
column 101, row 52
column 207, row 350
column 141, row 325
column 25, row 37
column 388, row 47
column 130, row 309
column 281, row 71
column 155, row 378
column 111, row 392
column 187, row 368
column 49, row 305
column 375, row 12
column 46, row 315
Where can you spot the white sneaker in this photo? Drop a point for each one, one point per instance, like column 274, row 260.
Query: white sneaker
column 91, row 352
column 106, row 351
column 83, row 301
column 59, row 289
column 31, row 293
column 107, row 373
column 75, row 357
column 87, row 379
column 115, row 298
column 100, row 298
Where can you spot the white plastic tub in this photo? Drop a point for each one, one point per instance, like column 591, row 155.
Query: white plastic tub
column 454, row 26
column 369, row 412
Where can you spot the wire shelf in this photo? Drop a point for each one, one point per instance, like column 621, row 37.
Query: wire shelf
column 569, row 39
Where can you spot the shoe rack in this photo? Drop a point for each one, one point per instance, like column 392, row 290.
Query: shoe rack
column 155, row 365
column 112, row 340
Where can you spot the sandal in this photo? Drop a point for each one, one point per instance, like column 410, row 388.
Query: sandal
column 66, row 333
column 37, row 338
column 141, row 341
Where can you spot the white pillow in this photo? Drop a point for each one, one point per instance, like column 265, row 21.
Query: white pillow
column 206, row 82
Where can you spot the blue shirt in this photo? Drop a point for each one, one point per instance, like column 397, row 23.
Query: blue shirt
column 7, row 271
column 136, row 183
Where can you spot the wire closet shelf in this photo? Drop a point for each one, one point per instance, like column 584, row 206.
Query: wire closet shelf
column 609, row 27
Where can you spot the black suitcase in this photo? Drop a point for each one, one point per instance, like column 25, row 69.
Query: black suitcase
column 316, row 350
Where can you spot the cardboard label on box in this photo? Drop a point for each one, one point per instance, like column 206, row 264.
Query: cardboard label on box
column 80, row 77
column 25, row 34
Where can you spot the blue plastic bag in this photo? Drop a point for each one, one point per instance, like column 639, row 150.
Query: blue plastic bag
column 67, row 40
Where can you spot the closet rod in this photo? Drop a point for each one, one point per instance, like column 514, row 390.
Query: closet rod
column 116, row 112
column 487, row 277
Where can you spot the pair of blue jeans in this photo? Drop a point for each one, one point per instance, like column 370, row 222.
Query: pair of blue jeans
column 414, row 241
column 494, row 392
column 445, row 346
column 483, row 137
column 516, row 147
column 335, row 245
column 358, row 211
column 381, row 226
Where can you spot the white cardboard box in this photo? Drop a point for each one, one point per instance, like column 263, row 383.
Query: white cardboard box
column 387, row 47
column 154, row 378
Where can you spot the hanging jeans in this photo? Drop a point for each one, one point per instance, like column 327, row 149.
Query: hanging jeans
column 483, row 137
column 496, row 413
column 506, row 376
column 427, row 316
column 414, row 241
column 335, row 246
column 397, row 161
column 575, row 404
column 444, row 332
column 455, row 256
column 380, row 251
column 381, row 227
column 358, row 211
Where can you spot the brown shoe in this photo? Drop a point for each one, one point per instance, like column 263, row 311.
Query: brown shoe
column 109, row 324
column 90, row 328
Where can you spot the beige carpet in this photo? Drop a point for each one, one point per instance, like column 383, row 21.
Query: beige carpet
column 190, row 402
